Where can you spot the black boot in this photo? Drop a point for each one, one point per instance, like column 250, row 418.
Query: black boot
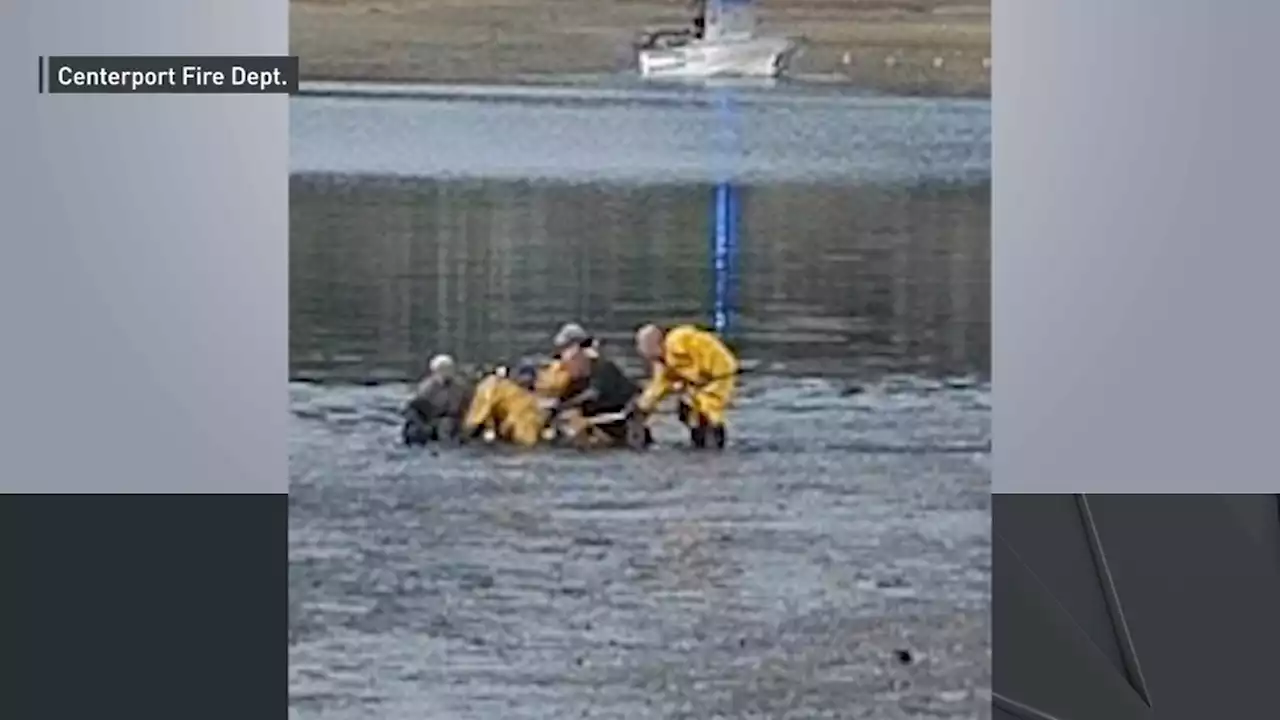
column 413, row 435
column 717, row 433
column 696, row 423
column 636, row 434
column 684, row 413
column 698, row 436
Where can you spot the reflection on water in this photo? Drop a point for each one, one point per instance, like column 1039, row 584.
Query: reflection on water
column 814, row 278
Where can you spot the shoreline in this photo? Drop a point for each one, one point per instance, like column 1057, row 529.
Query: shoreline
column 430, row 88
column 927, row 48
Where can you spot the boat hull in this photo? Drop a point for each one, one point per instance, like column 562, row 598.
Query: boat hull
column 754, row 58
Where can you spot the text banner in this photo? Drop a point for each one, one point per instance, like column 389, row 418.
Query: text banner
column 165, row 75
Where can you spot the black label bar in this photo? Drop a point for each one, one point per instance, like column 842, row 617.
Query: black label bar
column 173, row 75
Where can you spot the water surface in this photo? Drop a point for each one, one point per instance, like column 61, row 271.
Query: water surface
column 829, row 279
column 643, row 136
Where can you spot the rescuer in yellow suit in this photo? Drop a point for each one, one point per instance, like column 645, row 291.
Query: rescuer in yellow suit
column 509, row 407
column 697, row 364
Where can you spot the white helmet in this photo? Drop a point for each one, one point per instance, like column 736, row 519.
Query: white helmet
column 442, row 365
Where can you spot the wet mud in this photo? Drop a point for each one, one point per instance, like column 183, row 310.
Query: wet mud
column 833, row 562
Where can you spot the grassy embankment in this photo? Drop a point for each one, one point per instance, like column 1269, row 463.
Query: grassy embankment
column 904, row 46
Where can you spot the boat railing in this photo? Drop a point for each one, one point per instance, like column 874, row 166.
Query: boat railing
column 664, row 39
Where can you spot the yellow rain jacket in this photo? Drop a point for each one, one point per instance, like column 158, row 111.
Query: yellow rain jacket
column 553, row 380
column 513, row 413
column 697, row 363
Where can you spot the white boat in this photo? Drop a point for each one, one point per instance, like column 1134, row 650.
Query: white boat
column 728, row 47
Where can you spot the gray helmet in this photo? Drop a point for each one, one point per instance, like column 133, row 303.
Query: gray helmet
column 570, row 334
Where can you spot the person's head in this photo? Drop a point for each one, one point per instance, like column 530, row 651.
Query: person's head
column 576, row 361
column 649, row 342
column 571, row 336
column 525, row 374
column 442, row 366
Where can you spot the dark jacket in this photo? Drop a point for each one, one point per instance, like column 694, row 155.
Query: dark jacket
column 612, row 389
column 436, row 409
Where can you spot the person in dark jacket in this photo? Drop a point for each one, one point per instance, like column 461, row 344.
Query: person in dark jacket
column 438, row 404
column 595, row 393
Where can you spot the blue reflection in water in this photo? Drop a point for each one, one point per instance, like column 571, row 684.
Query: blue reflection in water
column 724, row 225
column 724, row 251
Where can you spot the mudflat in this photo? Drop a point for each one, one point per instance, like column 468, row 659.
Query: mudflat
column 794, row 575
column 933, row 47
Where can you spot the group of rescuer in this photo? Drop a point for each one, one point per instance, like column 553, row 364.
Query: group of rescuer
column 580, row 395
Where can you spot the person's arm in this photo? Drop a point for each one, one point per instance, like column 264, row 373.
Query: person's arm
column 679, row 360
column 606, row 382
column 586, row 396
column 418, row 396
column 659, row 386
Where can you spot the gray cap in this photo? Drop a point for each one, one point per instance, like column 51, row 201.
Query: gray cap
column 569, row 334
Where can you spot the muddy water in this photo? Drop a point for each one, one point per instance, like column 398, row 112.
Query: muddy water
column 848, row 520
